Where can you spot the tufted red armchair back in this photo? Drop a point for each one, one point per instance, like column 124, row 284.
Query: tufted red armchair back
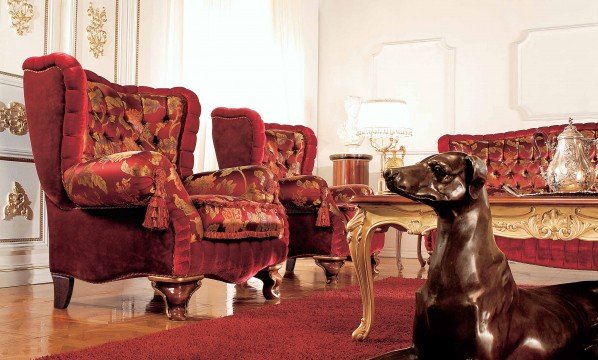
column 77, row 116
column 290, row 150
column 511, row 157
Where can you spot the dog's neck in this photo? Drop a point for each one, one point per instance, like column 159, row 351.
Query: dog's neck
column 466, row 256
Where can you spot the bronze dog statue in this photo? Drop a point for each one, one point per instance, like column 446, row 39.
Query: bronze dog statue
column 470, row 306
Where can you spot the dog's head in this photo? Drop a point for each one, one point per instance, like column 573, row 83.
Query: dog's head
column 446, row 177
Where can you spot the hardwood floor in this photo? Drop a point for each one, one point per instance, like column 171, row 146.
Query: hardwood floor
column 31, row 327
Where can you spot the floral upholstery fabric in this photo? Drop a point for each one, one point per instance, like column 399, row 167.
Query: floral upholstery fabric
column 342, row 194
column 253, row 183
column 132, row 178
column 121, row 122
column 308, row 193
column 228, row 217
column 284, row 152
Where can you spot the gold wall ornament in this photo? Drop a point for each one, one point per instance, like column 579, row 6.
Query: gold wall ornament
column 13, row 118
column 96, row 35
column 21, row 13
column 18, row 203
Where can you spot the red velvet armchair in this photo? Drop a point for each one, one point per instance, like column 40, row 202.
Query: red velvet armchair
column 317, row 213
column 512, row 160
column 115, row 163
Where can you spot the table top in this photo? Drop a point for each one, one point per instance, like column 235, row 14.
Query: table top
column 494, row 200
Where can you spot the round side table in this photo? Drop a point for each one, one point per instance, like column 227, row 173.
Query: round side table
column 350, row 169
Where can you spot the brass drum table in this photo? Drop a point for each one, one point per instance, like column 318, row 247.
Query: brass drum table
column 542, row 217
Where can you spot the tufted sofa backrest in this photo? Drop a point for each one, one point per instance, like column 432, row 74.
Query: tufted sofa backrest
column 511, row 157
column 290, row 149
column 75, row 115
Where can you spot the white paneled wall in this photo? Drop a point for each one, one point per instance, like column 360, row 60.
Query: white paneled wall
column 103, row 35
column 463, row 66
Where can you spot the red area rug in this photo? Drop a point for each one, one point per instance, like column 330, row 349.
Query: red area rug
column 315, row 327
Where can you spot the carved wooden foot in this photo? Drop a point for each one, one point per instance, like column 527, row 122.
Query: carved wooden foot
column 272, row 280
column 63, row 290
column 331, row 265
column 176, row 293
column 376, row 263
column 290, row 265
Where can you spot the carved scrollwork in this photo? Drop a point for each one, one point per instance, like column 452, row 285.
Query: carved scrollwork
column 13, row 118
column 96, row 35
column 18, row 204
column 355, row 227
column 21, row 13
column 554, row 224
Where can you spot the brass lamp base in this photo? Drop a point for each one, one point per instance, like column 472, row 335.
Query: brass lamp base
column 393, row 162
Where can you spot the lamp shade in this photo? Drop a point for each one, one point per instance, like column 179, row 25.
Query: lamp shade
column 384, row 118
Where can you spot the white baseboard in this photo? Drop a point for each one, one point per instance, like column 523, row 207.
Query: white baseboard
column 17, row 277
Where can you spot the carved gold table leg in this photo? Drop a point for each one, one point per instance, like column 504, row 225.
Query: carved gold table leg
column 359, row 236
column 398, row 250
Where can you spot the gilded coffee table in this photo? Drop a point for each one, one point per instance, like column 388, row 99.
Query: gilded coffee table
column 542, row 217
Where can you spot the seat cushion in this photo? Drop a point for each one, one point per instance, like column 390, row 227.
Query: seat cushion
column 231, row 218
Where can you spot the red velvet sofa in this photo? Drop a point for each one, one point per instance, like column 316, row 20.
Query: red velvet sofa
column 317, row 213
column 115, row 163
column 512, row 160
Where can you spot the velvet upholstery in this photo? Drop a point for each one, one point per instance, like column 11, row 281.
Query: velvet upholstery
column 316, row 223
column 512, row 160
column 112, row 159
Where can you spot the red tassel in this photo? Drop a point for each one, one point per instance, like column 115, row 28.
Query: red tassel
column 156, row 216
column 323, row 215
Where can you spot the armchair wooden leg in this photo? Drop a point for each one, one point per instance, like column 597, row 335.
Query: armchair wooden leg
column 272, row 280
column 63, row 290
column 290, row 265
column 176, row 293
column 376, row 263
column 331, row 265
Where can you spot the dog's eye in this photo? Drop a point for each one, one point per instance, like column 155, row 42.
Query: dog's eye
column 438, row 171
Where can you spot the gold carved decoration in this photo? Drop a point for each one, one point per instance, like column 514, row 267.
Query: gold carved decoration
column 21, row 14
column 13, row 118
column 96, row 35
column 18, row 204
column 562, row 223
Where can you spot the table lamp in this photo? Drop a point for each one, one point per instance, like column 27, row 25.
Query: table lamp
column 383, row 121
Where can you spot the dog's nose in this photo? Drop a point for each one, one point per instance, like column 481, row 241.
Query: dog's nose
column 394, row 179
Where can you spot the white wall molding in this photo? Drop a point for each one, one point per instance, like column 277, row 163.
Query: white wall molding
column 538, row 96
column 128, row 17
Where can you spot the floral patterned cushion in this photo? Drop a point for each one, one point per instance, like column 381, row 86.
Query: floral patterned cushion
column 121, row 122
column 228, row 217
column 284, row 152
column 254, row 183
column 342, row 194
column 134, row 178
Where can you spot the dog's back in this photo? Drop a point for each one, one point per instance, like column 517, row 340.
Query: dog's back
column 565, row 316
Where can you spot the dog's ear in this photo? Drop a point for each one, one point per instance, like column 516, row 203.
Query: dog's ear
column 476, row 172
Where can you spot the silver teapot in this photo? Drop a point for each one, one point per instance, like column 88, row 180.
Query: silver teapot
column 570, row 169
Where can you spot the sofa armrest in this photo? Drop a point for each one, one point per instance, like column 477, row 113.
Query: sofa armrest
column 308, row 193
column 253, row 182
column 133, row 178
column 342, row 194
